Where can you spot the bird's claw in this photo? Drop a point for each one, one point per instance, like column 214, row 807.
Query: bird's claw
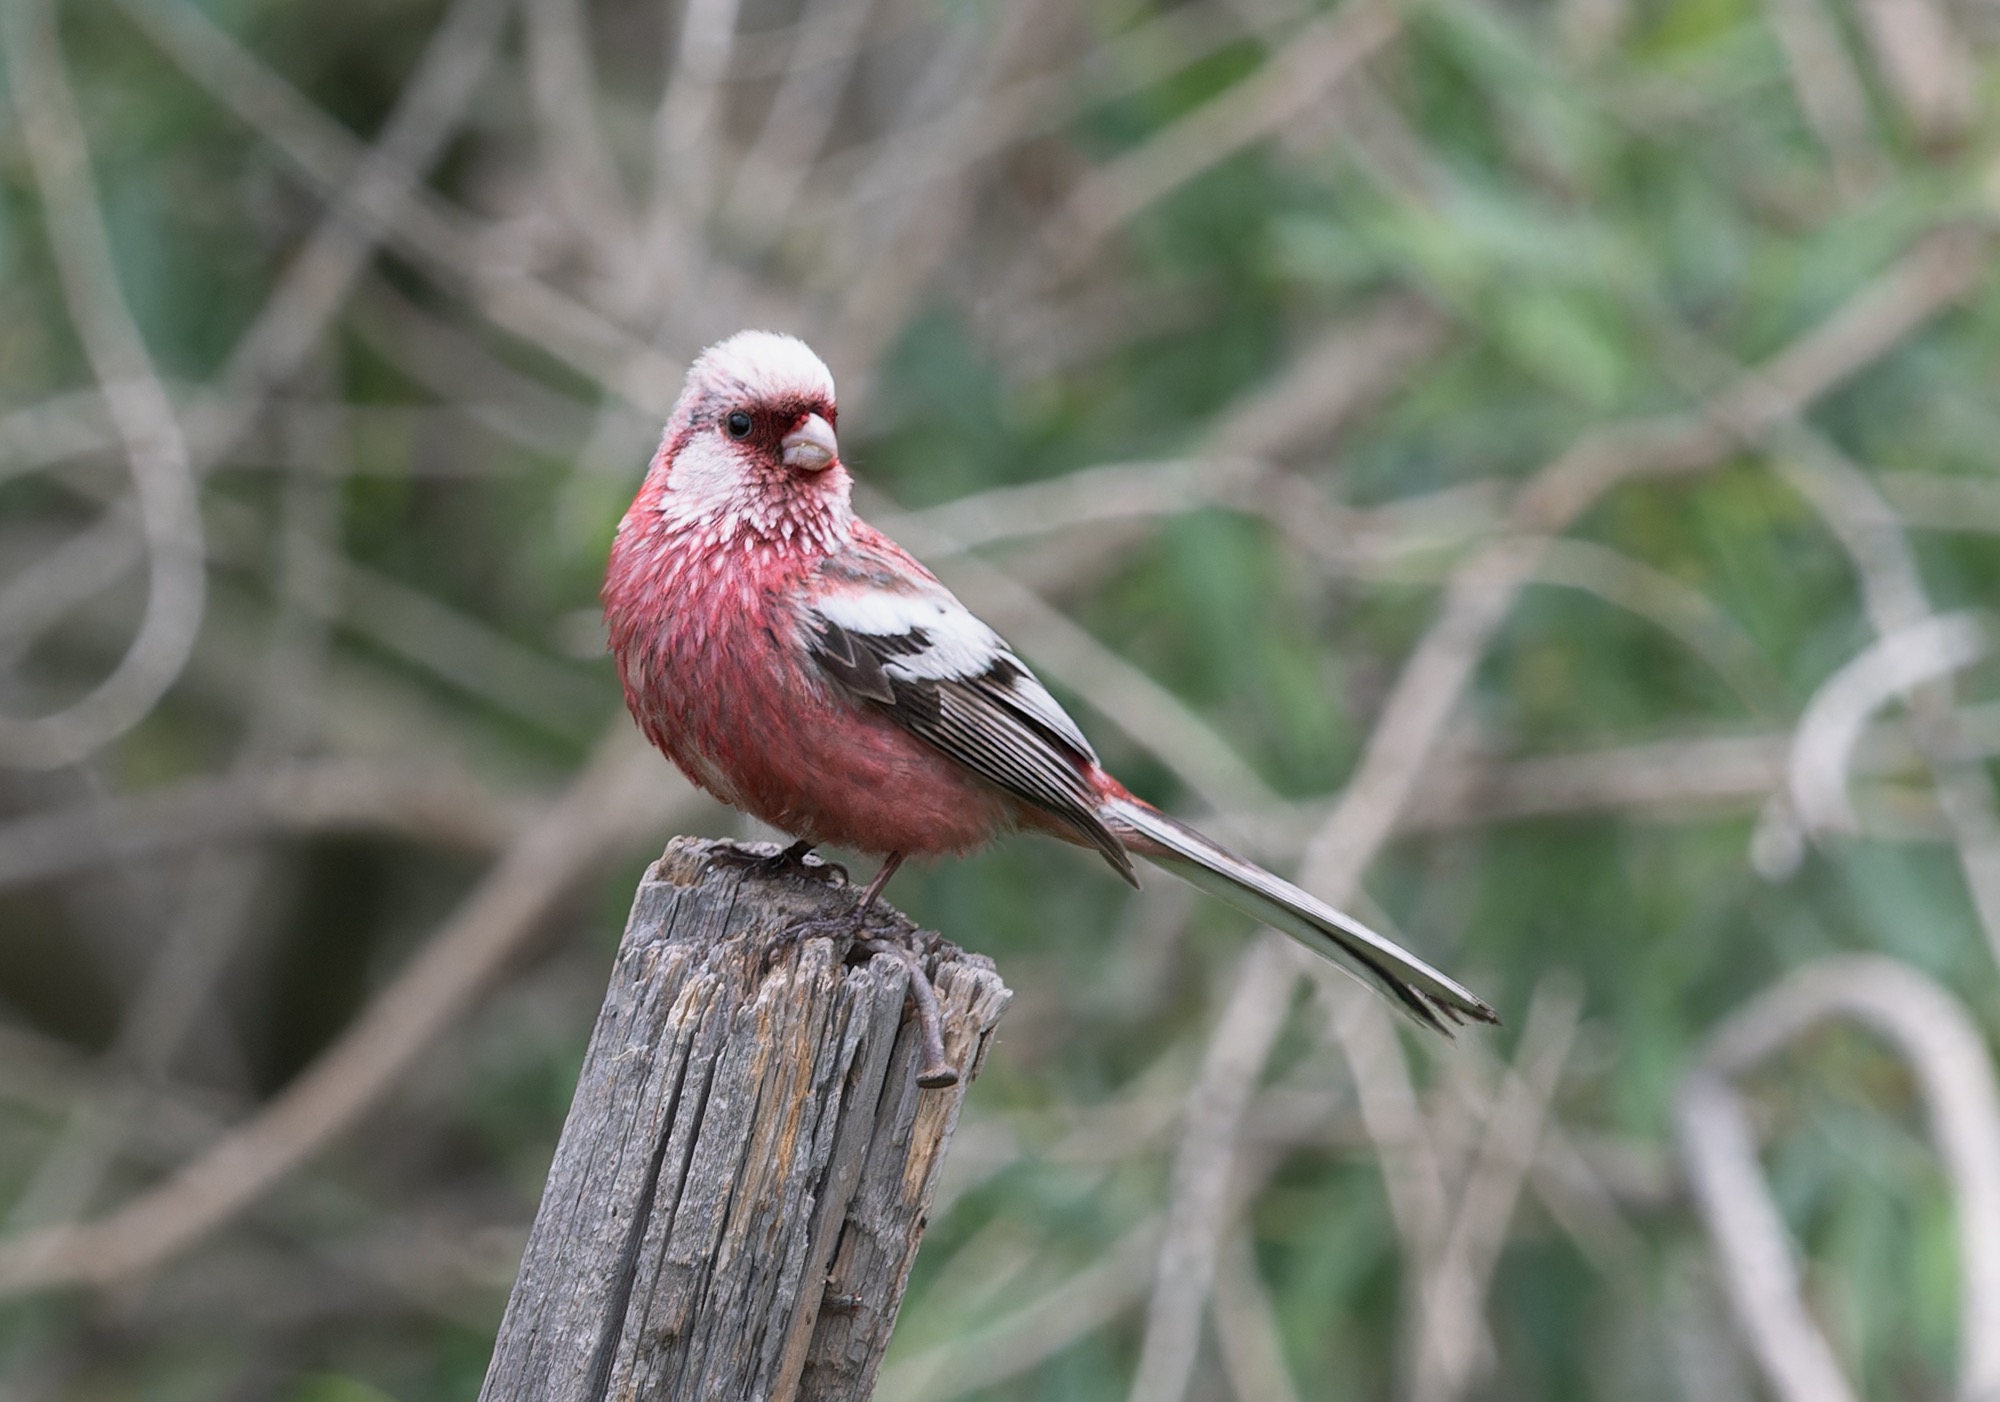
column 936, row 1071
column 843, row 930
column 838, row 928
column 768, row 864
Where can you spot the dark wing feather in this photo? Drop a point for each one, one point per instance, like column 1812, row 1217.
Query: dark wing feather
column 989, row 721
column 858, row 669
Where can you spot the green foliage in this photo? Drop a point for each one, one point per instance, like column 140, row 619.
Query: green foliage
column 1610, row 208
column 329, row 1387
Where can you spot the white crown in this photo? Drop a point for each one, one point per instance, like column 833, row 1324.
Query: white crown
column 765, row 365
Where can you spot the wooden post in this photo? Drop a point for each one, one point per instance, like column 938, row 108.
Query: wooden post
column 737, row 1197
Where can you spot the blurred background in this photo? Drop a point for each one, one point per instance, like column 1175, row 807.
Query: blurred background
column 1528, row 469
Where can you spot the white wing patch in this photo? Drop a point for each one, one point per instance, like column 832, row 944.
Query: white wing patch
column 931, row 636
column 950, row 641
column 892, row 638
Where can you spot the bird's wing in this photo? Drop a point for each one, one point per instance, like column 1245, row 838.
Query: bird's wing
column 889, row 635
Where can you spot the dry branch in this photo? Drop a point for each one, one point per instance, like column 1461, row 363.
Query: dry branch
column 432, row 232
column 619, row 796
column 1297, row 75
column 1938, row 271
column 1452, row 1341
column 1216, row 1106
column 740, row 1189
column 162, row 478
column 1911, row 638
column 295, row 797
column 1017, row 1342
column 1947, row 1054
column 1833, row 723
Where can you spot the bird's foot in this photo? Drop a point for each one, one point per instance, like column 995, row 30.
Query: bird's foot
column 863, row 931
column 767, row 864
column 844, row 930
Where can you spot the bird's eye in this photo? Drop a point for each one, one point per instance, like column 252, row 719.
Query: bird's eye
column 737, row 424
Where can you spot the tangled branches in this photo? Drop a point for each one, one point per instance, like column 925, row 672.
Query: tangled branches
column 1516, row 461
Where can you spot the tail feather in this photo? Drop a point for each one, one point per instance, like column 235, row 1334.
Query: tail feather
column 1420, row 991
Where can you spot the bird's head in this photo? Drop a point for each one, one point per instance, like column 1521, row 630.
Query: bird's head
column 752, row 437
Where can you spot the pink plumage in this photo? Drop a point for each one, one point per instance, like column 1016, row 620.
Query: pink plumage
column 800, row 665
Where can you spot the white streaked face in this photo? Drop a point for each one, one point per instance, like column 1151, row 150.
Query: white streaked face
column 755, row 438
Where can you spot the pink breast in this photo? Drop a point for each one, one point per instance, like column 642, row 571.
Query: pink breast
column 725, row 688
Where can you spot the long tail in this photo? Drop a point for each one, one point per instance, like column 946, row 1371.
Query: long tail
column 1408, row 982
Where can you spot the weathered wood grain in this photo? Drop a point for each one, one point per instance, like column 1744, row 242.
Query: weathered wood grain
column 743, row 1179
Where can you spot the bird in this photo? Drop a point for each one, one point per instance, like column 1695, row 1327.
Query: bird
column 799, row 665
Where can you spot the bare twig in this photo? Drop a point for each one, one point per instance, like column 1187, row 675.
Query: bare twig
column 1583, row 1204
column 83, row 566
column 1296, row 75
column 1927, row 64
column 615, row 800
column 1334, row 380
column 1683, row 611
column 74, row 426
column 1482, row 590
column 1935, row 502
column 902, row 162
column 291, row 322
column 1079, row 1306
column 215, row 906
column 154, row 446
column 563, row 83
column 772, row 174
column 376, row 198
column 686, row 137
column 1450, row 1338
column 1322, row 391
column 1749, row 1234
column 1246, row 1327
column 951, row 108
column 1893, row 591
column 458, row 367
column 438, row 236
column 1829, row 90
column 1931, row 277
column 1679, row 609
column 1697, row 776
column 71, row 424
column 1834, row 720
column 1947, row 1054
column 429, row 804
column 1090, row 496
column 1237, row 1051
column 1391, row 1115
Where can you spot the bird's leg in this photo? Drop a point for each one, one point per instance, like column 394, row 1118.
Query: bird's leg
column 889, row 867
column 850, row 925
column 936, row 1071
column 833, row 927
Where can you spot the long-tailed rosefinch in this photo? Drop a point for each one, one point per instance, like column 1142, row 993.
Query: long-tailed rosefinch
column 798, row 664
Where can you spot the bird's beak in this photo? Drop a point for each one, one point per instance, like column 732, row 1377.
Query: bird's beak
column 811, row 447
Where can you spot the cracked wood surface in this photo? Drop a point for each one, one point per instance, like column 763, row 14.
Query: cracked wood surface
column 738, row 1194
